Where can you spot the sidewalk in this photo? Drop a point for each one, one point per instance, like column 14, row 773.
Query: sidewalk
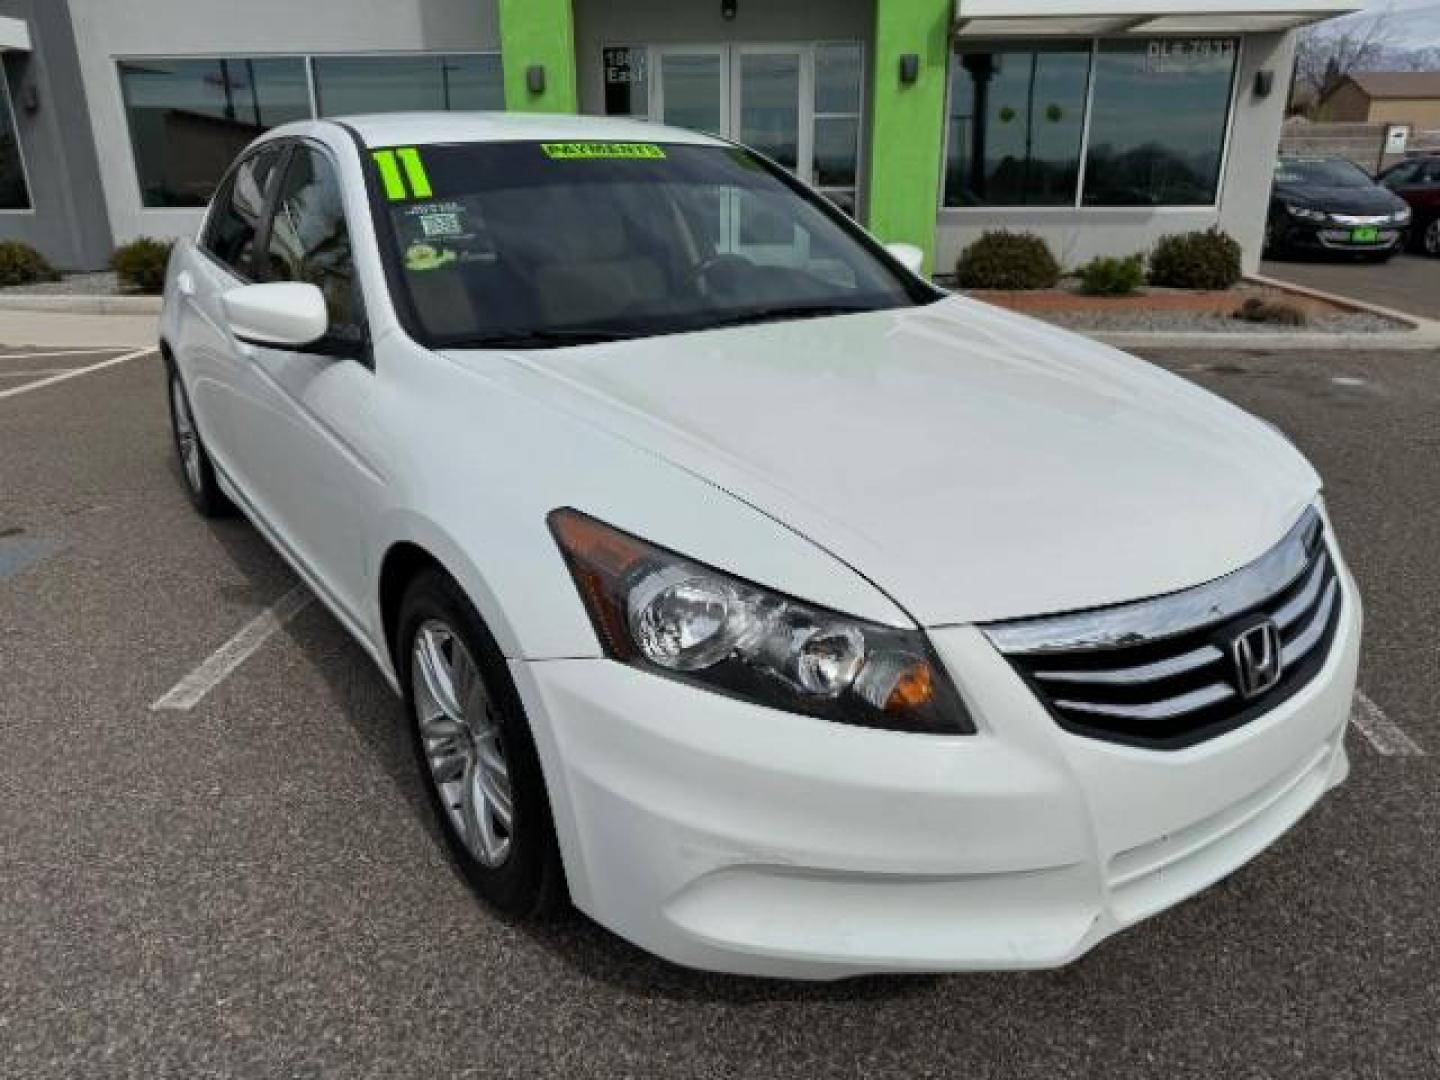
column 60, row 328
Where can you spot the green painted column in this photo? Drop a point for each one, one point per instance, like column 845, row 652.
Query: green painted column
column 538, row 32
column 907, row 135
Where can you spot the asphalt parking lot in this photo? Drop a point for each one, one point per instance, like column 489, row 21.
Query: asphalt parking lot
column 252, row 886
column 1408, row 283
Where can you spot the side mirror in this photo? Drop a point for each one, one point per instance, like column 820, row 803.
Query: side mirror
column 908, row 256
column 281, row 314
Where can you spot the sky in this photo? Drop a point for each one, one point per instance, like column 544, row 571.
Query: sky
column 1413, row 23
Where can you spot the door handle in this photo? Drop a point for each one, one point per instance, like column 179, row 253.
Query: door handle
column 185, row 283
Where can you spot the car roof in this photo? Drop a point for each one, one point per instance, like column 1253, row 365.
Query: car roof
column 397, row 129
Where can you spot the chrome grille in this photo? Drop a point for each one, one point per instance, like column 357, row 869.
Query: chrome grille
column 1162, row 673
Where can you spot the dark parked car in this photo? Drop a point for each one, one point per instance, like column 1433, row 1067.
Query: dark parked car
column 1332, row 205
column 1417, row 181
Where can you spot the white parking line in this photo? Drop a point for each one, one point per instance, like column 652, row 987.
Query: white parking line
column 75, row 373
column 191, row 690
column 56, row 352
column 1382, row 733
column 33, row 372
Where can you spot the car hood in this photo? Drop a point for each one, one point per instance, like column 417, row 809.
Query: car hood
column 1342, row 200
column 973, row 464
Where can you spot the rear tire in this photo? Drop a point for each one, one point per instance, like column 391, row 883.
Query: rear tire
column 475, row 751
column 195, row 466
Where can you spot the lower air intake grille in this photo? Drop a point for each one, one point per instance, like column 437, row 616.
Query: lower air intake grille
column 1176, row 670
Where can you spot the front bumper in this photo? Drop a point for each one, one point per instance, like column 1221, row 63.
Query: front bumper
column 725, row 836
column 1318, row 236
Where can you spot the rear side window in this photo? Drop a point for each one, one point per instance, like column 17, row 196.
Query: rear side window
column 310, row 242
column 235, row 219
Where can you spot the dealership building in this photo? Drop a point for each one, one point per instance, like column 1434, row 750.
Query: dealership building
column 1101, row 125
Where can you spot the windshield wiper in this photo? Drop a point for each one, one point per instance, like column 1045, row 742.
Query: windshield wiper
column 779, row 314
column 543, row 338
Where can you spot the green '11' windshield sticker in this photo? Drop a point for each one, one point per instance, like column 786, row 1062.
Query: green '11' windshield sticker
column 584, row 151
column 389, row 162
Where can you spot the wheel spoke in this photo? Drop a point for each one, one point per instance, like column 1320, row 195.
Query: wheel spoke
column 437, row 672
column 497, row 795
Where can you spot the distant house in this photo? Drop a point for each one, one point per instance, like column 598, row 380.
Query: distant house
column 1396, row 97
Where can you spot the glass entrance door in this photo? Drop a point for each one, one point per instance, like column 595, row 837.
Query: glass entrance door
column 797, row 103
column 767, row 103
column 692, row 89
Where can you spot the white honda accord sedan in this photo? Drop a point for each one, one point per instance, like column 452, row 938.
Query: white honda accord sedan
column 783, row 612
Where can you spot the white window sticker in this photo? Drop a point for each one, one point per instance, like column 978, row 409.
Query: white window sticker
column 441, row 224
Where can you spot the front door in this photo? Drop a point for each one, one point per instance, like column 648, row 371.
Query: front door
column 797, row 103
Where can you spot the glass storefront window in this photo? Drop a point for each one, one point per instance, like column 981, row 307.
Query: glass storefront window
column 190, row 118
column 346, row 85
column 1016, row 120
column 1158, row 109
column 14, row 192
column 1157, row 127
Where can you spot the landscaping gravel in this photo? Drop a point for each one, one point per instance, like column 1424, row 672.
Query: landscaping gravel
column 103, row 283
column 1210, row 322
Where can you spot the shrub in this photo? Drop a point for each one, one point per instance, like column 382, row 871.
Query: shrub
column 21, row 264
column 140, row 264
column 1208, row 259
column 1006, row 260
column 1107, row 276
column 1279, row 312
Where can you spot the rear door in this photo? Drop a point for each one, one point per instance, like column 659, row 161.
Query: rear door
column 211, row 359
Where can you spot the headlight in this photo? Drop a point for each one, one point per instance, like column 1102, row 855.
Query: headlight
column 1306, row 213
column 1401, row 216
column 660, row 612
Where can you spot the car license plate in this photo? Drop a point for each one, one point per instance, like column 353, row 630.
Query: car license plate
column 1367, row 235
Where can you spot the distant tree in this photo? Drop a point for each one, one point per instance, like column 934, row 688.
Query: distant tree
column 1326, row 53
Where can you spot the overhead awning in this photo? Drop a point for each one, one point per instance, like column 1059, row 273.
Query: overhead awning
column 14, row 35
column 1079, row 18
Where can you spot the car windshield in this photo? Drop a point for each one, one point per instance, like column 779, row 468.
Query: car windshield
column 1326, row 173
column 533, row 245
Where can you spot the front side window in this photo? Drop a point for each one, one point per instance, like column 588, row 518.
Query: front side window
column 1016, row 119
column 527, row 243
column 189, row 118
column 347, row 85
column 309, row 241
column 1157, row 126
column 234, row 220
column 14, row 192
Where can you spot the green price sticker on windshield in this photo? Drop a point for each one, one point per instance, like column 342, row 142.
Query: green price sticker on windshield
column 591, row 151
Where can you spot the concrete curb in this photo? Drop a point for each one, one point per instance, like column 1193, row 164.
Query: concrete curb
column 1423, row 337
column 81, row 305
column 1421, row 340
column 1417, row 321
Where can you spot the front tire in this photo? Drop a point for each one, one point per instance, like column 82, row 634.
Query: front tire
column 475, row 751
column 195, row 466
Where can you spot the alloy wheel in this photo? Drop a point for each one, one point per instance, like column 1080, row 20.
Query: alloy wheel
column 186, row 441
column 461, row 736
column 1432, row 238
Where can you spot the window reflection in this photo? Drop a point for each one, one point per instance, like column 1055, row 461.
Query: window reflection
column 378, row 84
column 1016, row 120
column 14, row 193
column 190, row 118
column 1157, row 127
column 310, row 242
